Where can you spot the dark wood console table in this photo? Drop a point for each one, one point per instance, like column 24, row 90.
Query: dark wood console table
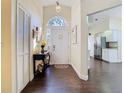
column 45, row 59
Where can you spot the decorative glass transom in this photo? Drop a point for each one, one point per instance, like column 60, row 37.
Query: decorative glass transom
column 56, row 21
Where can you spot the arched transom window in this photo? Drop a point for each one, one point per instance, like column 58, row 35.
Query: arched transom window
column 57, row 21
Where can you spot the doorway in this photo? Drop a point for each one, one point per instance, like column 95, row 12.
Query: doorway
column 58, row 40
column 105, row 31
column 59, row 46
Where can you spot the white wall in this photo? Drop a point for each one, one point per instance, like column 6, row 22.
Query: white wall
column 79, row 58
column 76, row 48
column 35, row 11
column 6, row 79
column 115, row 23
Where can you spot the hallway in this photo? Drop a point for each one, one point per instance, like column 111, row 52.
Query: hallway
column 56, row 30
column 103, row 78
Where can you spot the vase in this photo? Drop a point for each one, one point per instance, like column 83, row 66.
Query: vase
column 42, row 48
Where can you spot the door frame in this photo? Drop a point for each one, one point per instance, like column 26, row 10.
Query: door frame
column 19, row 5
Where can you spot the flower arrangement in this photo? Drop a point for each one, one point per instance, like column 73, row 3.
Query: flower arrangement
column 43, row 44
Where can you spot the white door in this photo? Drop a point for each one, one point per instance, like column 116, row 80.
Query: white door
column 26, row 49
column 60, row 46
column 20, row 46
column 23, row 28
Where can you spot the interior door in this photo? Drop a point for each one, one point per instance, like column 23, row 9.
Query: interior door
column 23, row 28
column 20, row 48
column 26, row 48
column 60, row 46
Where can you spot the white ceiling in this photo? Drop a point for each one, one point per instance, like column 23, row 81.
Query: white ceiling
column 53, row 2
column 114, row 12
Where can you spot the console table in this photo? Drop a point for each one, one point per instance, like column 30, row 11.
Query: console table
column 44, row 57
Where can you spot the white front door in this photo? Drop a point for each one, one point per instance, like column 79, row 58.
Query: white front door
column 60, row 46
column 23, row 41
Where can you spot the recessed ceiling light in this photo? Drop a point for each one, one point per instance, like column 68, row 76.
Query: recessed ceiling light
column 96, row 19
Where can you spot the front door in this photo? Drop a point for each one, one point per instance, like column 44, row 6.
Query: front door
column 60, row 46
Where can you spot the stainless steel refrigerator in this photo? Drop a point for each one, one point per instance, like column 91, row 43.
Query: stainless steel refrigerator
column 100, row 42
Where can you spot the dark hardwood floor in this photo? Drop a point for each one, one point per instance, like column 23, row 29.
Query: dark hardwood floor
column 103, row 78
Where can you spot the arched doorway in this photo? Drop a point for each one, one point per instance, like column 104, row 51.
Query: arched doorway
column 57, row 37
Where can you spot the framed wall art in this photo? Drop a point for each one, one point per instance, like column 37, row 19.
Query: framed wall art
column 74, row 34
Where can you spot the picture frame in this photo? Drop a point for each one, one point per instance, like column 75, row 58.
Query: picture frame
column 74, row 34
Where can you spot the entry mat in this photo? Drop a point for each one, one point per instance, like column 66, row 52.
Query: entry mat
column 61, row 66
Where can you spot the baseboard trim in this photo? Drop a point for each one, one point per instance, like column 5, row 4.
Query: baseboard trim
column 76, row 70
column 83, row 77
column 31, row 78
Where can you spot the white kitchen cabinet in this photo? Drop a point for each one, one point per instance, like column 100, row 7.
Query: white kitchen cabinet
column 112, row 36
column 113, row 55
column 110, row 55
column 104, row 54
